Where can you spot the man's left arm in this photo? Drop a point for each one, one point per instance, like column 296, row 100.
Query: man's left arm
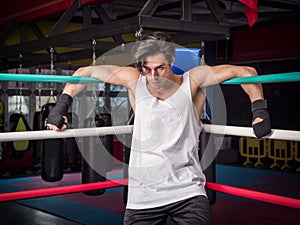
column 209, row 75
column 261, row 121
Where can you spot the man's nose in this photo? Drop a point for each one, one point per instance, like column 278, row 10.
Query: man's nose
column 154, row 73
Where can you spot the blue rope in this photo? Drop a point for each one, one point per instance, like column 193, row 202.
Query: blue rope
column 47, row 78
column 271, row 78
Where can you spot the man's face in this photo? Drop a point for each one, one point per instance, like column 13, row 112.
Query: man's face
column 157, row 70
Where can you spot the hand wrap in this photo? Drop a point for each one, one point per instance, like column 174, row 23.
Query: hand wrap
column 63, row 103
column 259, row 110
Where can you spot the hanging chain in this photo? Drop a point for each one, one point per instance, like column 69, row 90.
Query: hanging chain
column 94, row 52
column 51, row 72
column 39, row 107
column 17, row 102
column 20, row 96
column 20, row 61
column 202, row 59
column 51, row 60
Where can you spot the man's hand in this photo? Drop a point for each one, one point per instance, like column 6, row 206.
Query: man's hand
column 261, row 119
column 57, row 118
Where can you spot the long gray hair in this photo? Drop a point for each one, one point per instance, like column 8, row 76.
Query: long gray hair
column 152, row 44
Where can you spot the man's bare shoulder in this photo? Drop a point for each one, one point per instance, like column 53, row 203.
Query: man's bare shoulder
column 129, row 75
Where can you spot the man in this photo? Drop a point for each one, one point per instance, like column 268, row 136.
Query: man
column 165, row 176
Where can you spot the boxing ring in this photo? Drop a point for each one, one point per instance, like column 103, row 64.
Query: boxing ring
column 116, row 130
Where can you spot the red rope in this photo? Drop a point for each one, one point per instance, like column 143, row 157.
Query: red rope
column 12, row 196
column 241, row 192
column 256, row 195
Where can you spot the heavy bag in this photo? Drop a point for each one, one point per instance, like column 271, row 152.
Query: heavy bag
column 2, row 116
column 52, row 152
column 71, row 150
column 127, row 148
column 1, row 129
column 104, row 120
column 38, row 124
column 210, row 171
column 93, row 160
column 17, row 122
column 1, row 152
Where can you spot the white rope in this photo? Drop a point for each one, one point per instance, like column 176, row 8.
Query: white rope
column 289, row 135
column 69, row 133
column 116, row 130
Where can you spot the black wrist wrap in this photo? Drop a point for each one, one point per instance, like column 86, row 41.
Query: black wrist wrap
column 63, row 103
column 259, row 110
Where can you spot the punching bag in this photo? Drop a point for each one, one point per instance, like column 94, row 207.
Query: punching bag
column 38, row 124
column 96, row 154
column 2, row 116
column 127, row 148
column 210, row 171
column 1, row 129
column 104, row 120
column 52, row 152
column 71, row 150
column 17, row 123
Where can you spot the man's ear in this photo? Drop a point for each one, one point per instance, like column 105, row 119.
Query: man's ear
column 173, row 61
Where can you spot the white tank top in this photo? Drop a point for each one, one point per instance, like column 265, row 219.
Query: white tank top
column 164, row 164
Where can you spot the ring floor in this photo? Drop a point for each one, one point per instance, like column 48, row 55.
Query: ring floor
column 78, row 208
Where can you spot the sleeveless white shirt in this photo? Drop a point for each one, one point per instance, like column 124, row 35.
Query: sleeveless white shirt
column 164, row 164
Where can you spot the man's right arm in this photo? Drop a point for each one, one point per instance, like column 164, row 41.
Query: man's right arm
column 112, row 74
column 123, row 76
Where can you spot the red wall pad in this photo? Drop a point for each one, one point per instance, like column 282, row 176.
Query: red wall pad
column 35, row 9
column 267, row 41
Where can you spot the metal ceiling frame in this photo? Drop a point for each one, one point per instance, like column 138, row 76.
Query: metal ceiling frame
column 188, row 29
column 145, row 18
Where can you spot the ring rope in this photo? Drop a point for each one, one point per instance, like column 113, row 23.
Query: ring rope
column 255, row 195
column 278, row 134
column 225, row 130
column 289, row 135
column 68, row 133
column 270, row 78
column 47, row 78
column 241, row 192
column 44, row 192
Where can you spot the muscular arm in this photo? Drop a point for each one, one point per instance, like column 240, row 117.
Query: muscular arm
column 209, row 75
column 123, row 76
column 204, row 76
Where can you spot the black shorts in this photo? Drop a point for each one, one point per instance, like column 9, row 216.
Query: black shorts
column 192, row 211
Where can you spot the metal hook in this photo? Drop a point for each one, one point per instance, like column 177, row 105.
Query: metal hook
column 139, row 32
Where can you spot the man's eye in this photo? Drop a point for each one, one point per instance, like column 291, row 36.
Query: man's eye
column 145, row 69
